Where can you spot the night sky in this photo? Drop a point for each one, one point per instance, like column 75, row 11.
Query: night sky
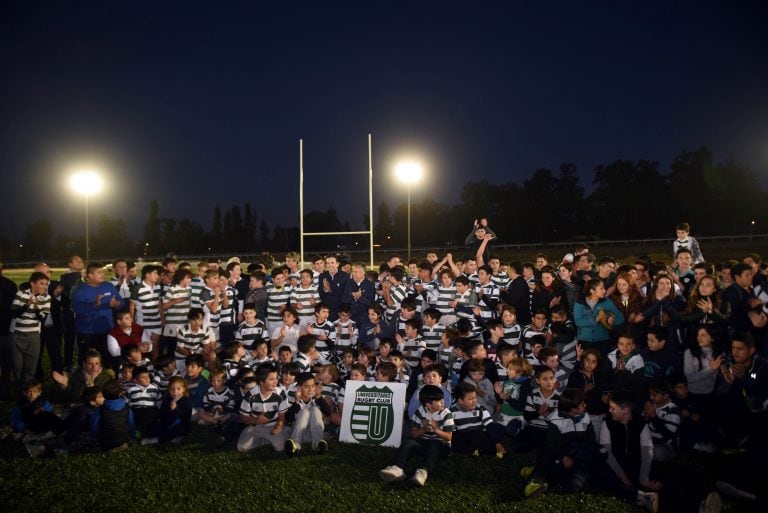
column 203, row 103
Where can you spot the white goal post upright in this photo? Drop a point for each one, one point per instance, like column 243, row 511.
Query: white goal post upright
column 368, row 232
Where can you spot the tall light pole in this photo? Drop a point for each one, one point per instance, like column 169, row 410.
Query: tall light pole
column 86, row 183
column 409, row 173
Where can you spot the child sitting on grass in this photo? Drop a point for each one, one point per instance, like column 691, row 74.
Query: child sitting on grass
column 218, row 402
column 475, row 432
column 175, row 417
column 514, row 391
column 540, row 405
column 263, row 413
column 32, row 415
column 431, row 436
column 113, row 423
column 569, row 449
column 305, row 416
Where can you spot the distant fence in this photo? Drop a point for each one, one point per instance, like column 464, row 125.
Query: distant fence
column 382, row 254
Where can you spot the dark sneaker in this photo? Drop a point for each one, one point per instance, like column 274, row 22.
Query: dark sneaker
column 291, row 448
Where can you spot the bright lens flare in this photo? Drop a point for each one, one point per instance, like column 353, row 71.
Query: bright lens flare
column 409, row 172
column 85, row 182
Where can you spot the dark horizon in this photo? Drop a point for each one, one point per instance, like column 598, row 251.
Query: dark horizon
column 199, row 104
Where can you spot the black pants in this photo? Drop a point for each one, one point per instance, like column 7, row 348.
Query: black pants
column 432, row 451
column 484, row 441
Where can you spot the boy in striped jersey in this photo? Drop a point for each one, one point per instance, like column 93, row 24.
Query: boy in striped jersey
column 305, row 416
column 394, row 291
column 166, row 369
column 511, row 327
column 145, row 306
column 143, row 398
column 538, row 326
column 407, row 311
column 431, row 436
column 211, row 298
column 176, row 304
column 306, row 355
column 423, row 288
column 412, row 344
column 324, row 333
column 541, row 403
column 475, row 432
column 346, row 330
column 446, row 292
column 250, row 331
column 498, row 277
column 228, row 312
column 663, row 419
column 432, row 330
column 466, row 299
column 446, row 354
column 218, row 402
column 29, row 309
column 263, row 413
column 195, row 338
column 198, row 284
column 487, row 294
column 304, row 298
column 570, row 446
column 278, row 297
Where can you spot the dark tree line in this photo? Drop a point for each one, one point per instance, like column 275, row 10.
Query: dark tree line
column 628, row 199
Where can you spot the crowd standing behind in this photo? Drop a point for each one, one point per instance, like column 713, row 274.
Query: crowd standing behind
column 604, row 368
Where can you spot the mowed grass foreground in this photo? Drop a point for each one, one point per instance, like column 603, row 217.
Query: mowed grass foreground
column 194, row 477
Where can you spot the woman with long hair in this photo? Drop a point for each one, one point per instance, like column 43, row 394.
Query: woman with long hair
column 629, row 301
column 594, row 317
column 663, row 307
column 549, row 292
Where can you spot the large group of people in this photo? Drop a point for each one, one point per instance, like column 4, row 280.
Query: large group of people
column 604, row 368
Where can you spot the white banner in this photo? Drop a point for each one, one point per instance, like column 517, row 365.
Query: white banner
column 373, row 413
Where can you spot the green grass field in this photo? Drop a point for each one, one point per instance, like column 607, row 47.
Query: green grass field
column 195, row 477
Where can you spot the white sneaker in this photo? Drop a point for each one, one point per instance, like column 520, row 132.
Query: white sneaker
column 149, row 441
column 648, row 500
column 391, row 473
column 35, row 450
column 420, row 476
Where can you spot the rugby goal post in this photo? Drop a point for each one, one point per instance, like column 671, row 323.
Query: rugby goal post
column 368, row 232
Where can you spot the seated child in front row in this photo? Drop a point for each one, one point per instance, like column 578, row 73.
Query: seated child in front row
column 514, row 391
column 475, row 431
column 431, row 436
column 175, row 418
column 570, row 447
column 113, row 423
column 263, row 413
column 32, row 414
column 218, row 401
column 305, row 416
column 541, row 403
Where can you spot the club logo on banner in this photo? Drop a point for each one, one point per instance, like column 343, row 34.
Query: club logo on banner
column 373, row 413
